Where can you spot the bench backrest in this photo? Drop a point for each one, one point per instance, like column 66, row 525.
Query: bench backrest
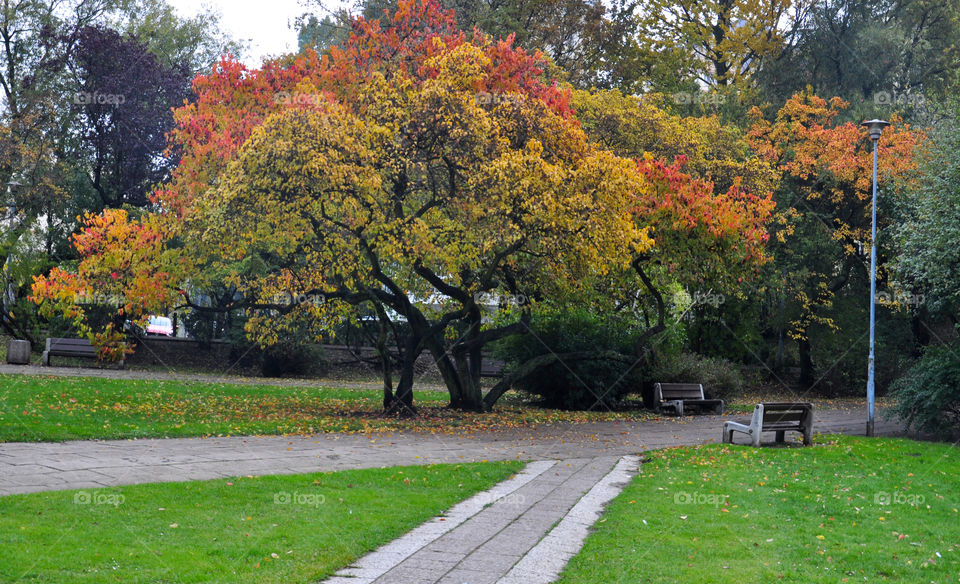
column 491, row 368
column 672, row 391
column 783, row 413
column 72, row 346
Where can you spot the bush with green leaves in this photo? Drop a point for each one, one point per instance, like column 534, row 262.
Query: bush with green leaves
column 720, row 377
column 582, row 384
column 927, row 398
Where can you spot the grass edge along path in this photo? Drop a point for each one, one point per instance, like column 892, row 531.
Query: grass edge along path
column 845, row 510
column 269, row 529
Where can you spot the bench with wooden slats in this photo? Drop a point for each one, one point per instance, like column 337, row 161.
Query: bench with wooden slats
column 81, row 348
column 679, row 397
column 779, row 417
column 491, row 367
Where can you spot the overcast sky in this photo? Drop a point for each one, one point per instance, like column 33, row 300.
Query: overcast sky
column 267, row 25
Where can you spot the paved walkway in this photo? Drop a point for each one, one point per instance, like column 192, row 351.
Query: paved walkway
column 523, row 531
column 29, row 467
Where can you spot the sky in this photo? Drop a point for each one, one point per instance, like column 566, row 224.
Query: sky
column 267, row 25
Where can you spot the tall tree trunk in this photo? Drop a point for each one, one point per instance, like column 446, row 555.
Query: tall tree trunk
column 403, row 398
column 386, row 362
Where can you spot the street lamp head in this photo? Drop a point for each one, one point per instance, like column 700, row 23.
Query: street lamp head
column 875, row 128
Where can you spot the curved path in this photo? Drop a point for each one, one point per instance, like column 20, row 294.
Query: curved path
column 522, row 531
column 29, row 467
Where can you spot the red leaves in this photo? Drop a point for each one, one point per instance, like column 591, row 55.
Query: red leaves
column 689, row 218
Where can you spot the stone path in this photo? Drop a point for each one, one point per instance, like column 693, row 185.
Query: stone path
column 487, row 538
column 523, row 531
column 29, row 467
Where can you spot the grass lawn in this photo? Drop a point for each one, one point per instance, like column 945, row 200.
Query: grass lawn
column 47, row 408
column 283, row 529
column 845, row 510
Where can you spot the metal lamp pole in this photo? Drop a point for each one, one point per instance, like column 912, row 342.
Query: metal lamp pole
column 875, row 128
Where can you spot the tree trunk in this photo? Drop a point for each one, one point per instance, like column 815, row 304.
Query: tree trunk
column 386, row 363
column 471, row 396
column 403, row 398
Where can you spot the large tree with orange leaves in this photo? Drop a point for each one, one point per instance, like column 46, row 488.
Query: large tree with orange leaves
column 417, row 171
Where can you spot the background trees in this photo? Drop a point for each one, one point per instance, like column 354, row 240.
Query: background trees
column 413, row 162
column 87, row 91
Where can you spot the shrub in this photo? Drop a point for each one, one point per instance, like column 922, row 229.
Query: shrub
column 575, row 385
column 927, row 398
column 720, row 377
column 288, row 358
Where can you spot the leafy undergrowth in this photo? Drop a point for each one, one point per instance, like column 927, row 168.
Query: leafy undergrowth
column 272, row 529
column 846, row 510
column 37, row 408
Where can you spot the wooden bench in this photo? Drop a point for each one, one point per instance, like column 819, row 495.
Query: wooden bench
column 779, row 417
column 491, row 367
column 70, row 348
column 679, row 396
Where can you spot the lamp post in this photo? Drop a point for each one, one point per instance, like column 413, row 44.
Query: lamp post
column 875, row 128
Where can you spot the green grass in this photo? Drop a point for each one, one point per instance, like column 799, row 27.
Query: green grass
column 35, row 408
column 736, row 514
column 46, row 408
column 230, row 530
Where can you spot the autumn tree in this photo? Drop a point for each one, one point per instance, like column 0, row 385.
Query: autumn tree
column 68, row 146
column 35, row 95
column 413, row 171
column 589, row 41
column 824, row 223
column 724, row 41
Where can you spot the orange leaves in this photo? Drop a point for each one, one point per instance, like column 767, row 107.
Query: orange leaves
column 831, row 165
column 122, row 266
column 689, row 219
column 805, row 143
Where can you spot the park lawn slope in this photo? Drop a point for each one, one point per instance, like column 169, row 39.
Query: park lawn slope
column 37, row 408
column 846, row 510
column 272, row 529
